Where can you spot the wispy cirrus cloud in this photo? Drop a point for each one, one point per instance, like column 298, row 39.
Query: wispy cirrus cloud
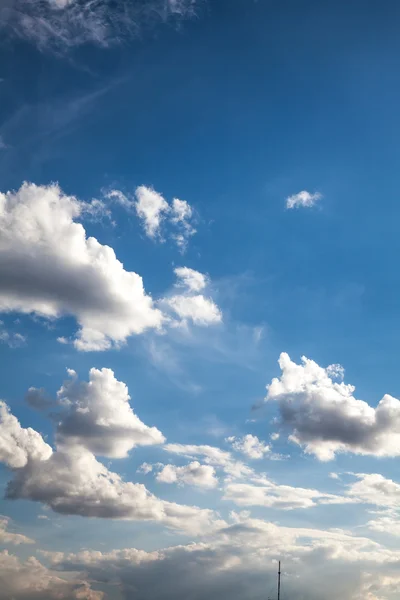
column 64, row 24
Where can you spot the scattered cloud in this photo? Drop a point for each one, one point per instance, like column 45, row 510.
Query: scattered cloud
column 38, row 398
column 194, row 473
column 325, row 418
column 249, row 445
column 192, row 280
column 13, row 340
column 145, row 468
column 151, row 208
column 285, row 497
column 190, row 306
column 7, row 537
column 70, row 480
column 154, row 211
column 303, row 200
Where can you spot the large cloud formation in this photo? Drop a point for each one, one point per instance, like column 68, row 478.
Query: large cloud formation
column 97, row 419
column 239, row 561
column 31, row 580
column 49, row 266
column 325, row 418
column 63, row 24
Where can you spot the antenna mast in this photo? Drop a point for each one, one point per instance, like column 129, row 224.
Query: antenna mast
column 279, row 581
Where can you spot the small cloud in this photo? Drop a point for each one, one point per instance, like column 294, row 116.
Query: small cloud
column 303, row 199
column 13, row 340
column 145, row 468
column 62, row 340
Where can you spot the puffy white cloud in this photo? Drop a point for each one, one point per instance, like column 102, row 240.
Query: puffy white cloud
column 194, row 474
column 239, row 561
column 199, row 309
column 48, row 266
column 71, row 480
column 62, row 24
column 284, row 497
column 190, row 306
column 151, row 208
column 249, row 445
column 18, row 446
column 99, row 417
column 325, row 418
column 303, row 199
column 145, row 468
column 30, row 580
column 192, row 280
column 7, row 537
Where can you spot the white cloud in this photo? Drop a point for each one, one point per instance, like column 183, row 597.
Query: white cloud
column 99, row 417
column 30, row 580
column 198, row 309
column 303, row 199
column 145, row 468
column 72, row 481
column 192, row 280
column 212, row 456
column 325, row 418
column 50, row 268
column 18, row 446
column 374, row 488
column 190, row 306
column 283, row 497
column 194, row 474
column 181, row 217
column 13, row 340
column 63, row 24
column 151, row 208
column 154, row 211
column 250, row 445
column 7, row 537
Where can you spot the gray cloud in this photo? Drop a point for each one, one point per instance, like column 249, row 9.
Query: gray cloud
column 325, row 418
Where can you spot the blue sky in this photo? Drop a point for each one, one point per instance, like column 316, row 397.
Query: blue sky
column 239, row 160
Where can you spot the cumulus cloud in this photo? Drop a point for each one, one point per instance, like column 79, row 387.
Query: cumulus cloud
column 49, row 267
column 189, row 305
column 303, row 200
column 62, row 24
column 18, row 446
column 192, row 280
column 325, row 418
column 30, row 580
column 71, row 480
column 7, row 537
column 151, row 208
column 154, row 211
column 99, row 417
column 239, row 561
column 249, row 445
column 194, row 473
